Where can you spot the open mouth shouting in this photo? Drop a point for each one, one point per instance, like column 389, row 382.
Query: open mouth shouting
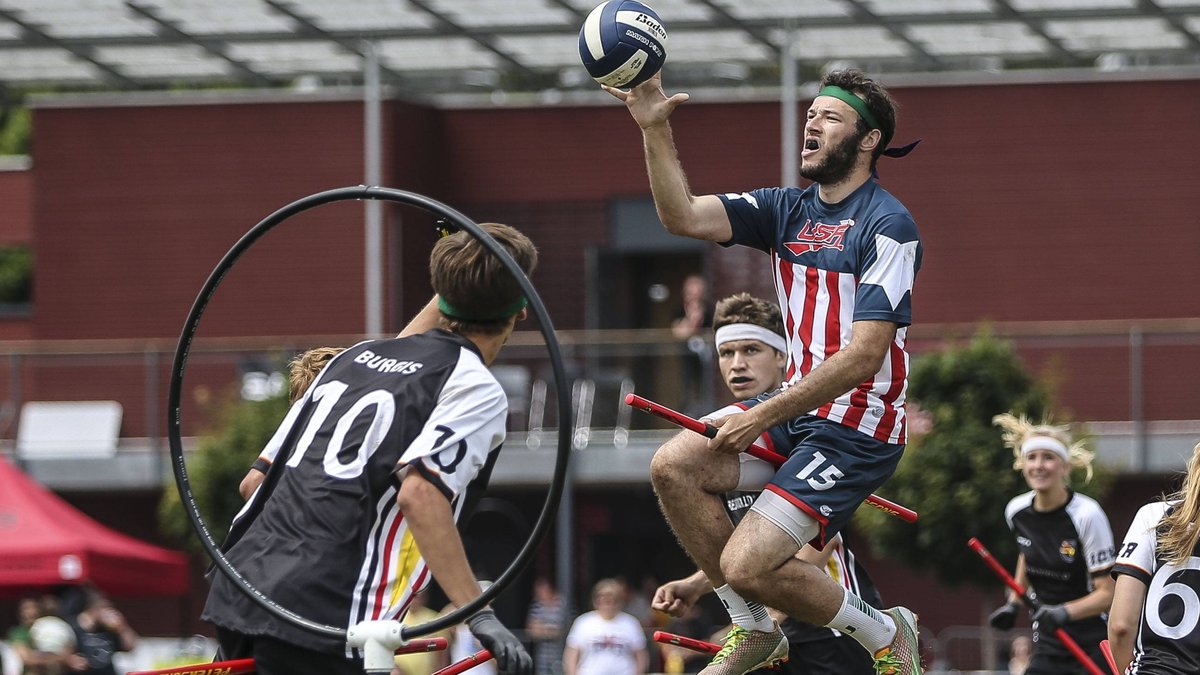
column 811, row 146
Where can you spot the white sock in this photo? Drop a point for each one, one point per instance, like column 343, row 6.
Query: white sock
column 872, row 628
column 749, row 615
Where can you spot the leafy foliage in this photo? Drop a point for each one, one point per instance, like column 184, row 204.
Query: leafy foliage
column 16, row 129
column 959, row 475
column 217, row 467
column 16, row 275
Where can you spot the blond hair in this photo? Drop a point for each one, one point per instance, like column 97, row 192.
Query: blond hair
column 1178, row 534
column 303, row 369
column 1017, row 430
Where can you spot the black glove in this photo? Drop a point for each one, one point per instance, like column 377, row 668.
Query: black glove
column 1004, row 617
column 1051, row 617
column 511, row 657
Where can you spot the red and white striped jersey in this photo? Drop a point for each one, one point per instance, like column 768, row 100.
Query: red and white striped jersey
column 324, row 536
column 835, row 264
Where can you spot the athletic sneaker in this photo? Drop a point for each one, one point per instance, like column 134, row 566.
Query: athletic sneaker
column 746, row 650
column 902, row 656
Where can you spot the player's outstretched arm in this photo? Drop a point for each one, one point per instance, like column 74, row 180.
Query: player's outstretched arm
column 1124, row 618
column 680, row 211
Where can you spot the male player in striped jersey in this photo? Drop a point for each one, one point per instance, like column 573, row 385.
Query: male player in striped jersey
column 751, row 354
column 844, row 254
column 369, row 471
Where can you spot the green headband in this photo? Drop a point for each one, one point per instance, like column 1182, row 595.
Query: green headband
column 859, row 105
column 503, row 313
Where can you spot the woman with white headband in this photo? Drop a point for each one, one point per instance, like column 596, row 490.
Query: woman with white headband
column 1154, row 625
column 1066, row 547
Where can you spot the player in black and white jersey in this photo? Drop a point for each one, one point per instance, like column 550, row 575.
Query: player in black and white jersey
column 369, row 471
column 1066, row 547
column 751, row 354
column 1154, row 624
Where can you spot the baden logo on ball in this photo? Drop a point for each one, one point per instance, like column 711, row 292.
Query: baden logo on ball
column 622, row 43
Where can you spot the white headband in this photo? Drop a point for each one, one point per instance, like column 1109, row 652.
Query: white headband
column 1045, row 443
column 750, row 331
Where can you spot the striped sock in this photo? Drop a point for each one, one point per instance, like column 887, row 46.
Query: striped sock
column 749, row 615
column 873, row 629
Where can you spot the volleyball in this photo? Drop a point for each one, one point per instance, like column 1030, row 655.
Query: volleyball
column 622, row 43
column 52, row 635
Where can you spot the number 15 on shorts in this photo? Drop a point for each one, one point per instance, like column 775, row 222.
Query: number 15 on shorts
column 820, row 473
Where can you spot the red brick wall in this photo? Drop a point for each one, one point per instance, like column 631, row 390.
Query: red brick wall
column 135, row 205
column 1036, row 202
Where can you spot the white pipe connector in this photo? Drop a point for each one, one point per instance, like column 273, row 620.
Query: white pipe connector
column 379, row 641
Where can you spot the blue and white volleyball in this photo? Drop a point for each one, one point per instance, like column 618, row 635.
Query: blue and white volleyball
column 622, row 43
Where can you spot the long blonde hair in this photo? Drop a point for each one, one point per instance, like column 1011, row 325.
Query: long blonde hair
column 1178, row 533
column 1016, row 430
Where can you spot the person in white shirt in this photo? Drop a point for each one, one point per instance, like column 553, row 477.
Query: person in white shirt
column 606, row 641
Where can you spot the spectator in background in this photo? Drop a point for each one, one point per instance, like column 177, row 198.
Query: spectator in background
column 691, row 325
column 20, row 641
column 101, row 631
column 606, row 641
column 420, row 663
column 545, row 624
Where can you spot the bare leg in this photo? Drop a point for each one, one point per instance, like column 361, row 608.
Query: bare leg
column 759, row 563
column 689, row 479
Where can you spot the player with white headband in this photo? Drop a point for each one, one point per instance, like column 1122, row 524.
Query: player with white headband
column 752, row 355
column 1066, row 546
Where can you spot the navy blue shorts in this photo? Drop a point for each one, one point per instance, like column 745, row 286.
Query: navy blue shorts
column 830, row 468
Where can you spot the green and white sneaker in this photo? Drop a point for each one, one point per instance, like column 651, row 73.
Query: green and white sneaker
column 902, row 657
column 746, row 650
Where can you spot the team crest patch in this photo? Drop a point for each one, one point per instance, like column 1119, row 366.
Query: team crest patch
column 1067, row 550
column 816, row 236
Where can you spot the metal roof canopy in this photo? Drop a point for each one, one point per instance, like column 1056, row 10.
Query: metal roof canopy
column 432, row 47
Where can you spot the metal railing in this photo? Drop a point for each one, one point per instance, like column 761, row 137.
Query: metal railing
column 1123, row 371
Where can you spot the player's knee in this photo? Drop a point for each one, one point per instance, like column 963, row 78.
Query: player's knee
column 742, row 569
column 672, row 462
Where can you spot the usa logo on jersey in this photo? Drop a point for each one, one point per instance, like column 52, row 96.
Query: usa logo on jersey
column 816, row 236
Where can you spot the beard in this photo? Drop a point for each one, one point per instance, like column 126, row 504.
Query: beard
column 838, row 163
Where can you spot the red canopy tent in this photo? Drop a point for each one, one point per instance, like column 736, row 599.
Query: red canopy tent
column 45, row 542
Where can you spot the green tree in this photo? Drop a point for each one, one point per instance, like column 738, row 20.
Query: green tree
column 16, row 275
column 16, row 129
column 217, row 467
column 959, row 475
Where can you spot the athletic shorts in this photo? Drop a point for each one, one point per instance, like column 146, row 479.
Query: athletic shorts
column 276, row 657
column 830, row 468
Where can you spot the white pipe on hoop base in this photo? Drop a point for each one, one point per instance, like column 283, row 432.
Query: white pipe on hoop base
column 379, row 641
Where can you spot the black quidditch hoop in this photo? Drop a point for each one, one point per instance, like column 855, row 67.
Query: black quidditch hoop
column 179, row 365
